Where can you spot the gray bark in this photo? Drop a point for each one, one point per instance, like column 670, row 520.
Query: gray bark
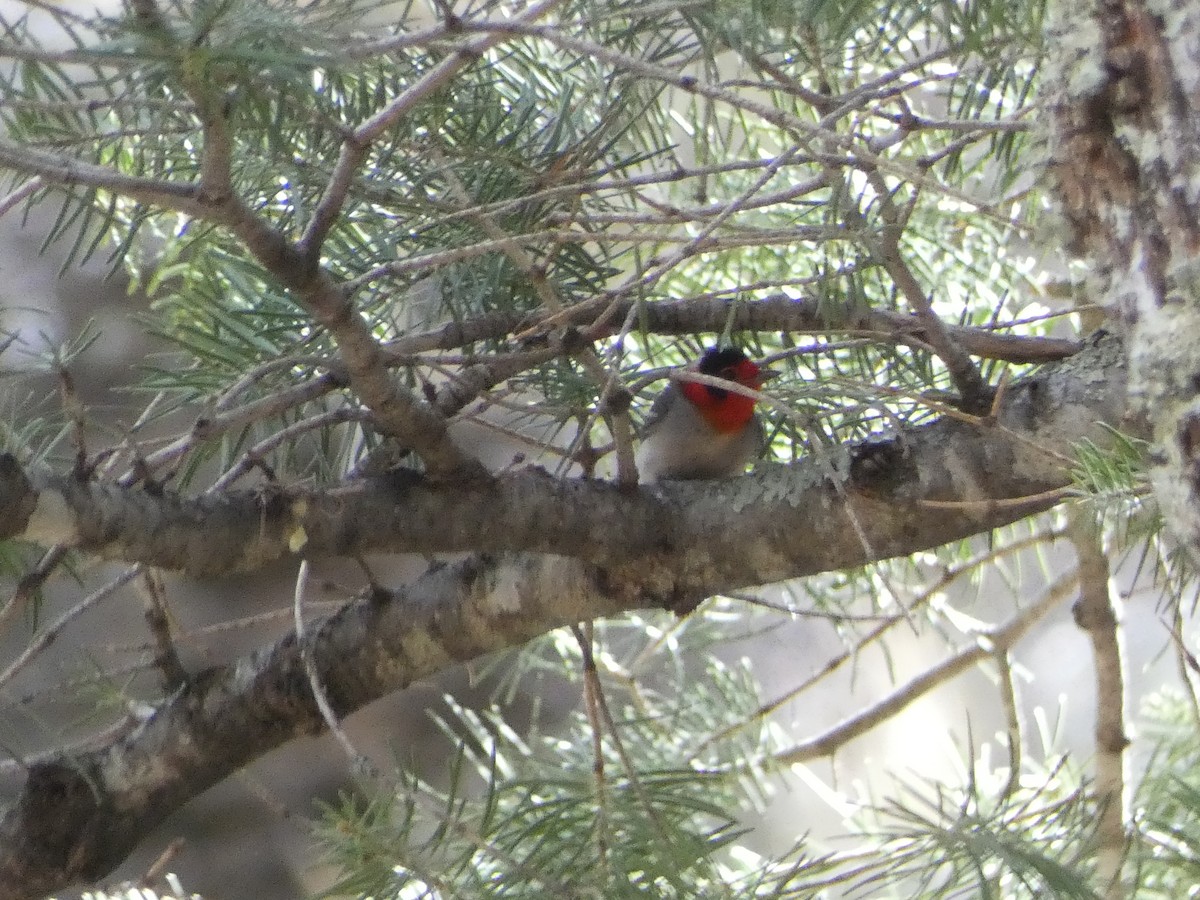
column 1124, row 91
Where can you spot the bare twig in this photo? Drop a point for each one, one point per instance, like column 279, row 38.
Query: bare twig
column 358, row 143
column 59, row 169
column 627, row 762
column 746, row 236
column 25, row 191
column 877, row 633
column 360, row 762
column 1033, row 501
column 1185, row 660
column 160, row 864
column 975, row 393
column 259, row 451
column 31, row 582
column 591, row 691
column 47, row 635
column 1012, row 720
column 75, row 413
column 166, row 657
column 210, row 427
column 1096, row 614
column 985, row 646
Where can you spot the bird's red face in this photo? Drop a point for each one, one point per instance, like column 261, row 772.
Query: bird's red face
column 723, row 409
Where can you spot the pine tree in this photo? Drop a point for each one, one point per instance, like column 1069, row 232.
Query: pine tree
column 416, row 274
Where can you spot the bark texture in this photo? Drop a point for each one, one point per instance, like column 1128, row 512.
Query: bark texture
column 1125, row 100
column 547, row 553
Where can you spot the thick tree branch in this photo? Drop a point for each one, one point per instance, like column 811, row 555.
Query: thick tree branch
column 783, row 313
column 791, row 520
column 78, row 816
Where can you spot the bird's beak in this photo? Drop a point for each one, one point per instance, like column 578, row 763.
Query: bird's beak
column 765, row 375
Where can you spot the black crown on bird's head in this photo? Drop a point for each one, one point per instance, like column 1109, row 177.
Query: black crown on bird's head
column 720, row 359
column 721, row 362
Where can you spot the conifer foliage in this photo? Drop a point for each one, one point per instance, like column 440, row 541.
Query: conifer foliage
column 413, row 274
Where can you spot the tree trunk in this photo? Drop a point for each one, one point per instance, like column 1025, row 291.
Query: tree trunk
column 1123, row 92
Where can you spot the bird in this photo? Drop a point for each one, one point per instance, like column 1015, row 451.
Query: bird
column 697, row 431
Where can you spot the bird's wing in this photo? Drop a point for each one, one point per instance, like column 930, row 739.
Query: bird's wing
column 658, row 408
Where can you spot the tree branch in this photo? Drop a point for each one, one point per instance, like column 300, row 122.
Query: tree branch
column 1096, row 615
column 55, row 168
column 398, row 414
column 80, row 813
column 975, row 394
column 711, row 313
column 78, row 816
column 778, row 535
column 784, row 313
column 357, row 144
column 985, row 646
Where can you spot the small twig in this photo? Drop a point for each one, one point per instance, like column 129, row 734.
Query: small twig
column 1189, row 666
column 629, row 766
column 74, row 412
column 28, row 189
column 1050, row 497
column 591, row 690
column 975, row 393
column 474, row 381
column 227, row 625
column 105, row 737
column 31, row 582
column 209, row 427
column 47, row 635
column 166, row 657
column 985, row 646
column 160, row 864
column 999, row 395
column 63, row 170
column 225, row 400
column 1012, row 718
column 357, row 144
column 926, row 596
column 828, row 615
column 359, row 761
column 255, row 456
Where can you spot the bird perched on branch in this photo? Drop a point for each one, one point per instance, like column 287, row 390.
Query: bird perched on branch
column 698, row 430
